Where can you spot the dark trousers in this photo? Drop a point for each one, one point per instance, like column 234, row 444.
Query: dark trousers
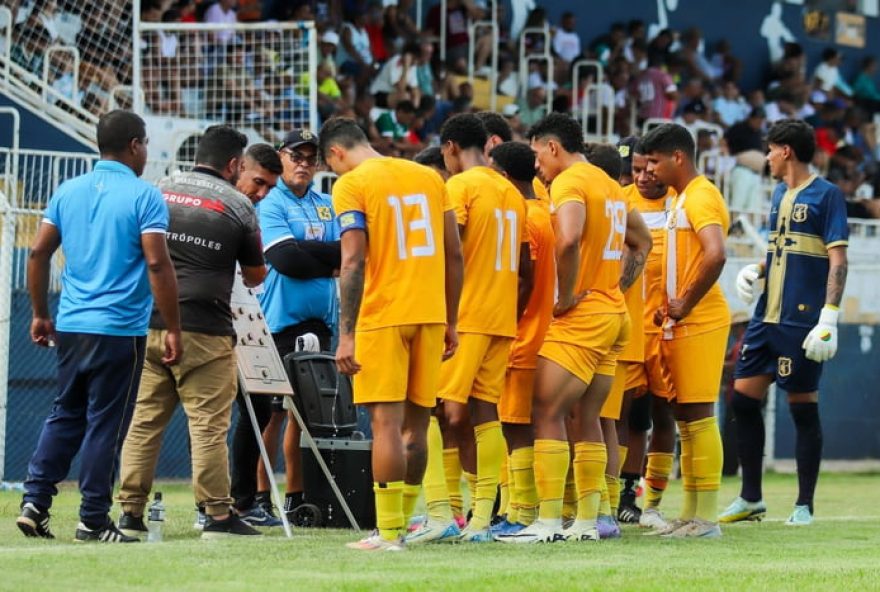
column 98, row 377
column 245, row 451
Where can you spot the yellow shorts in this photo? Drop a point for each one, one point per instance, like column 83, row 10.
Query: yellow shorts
column 399, row 364
column 628, row 376
column 695, row 365
column 659, row 382
column 515, row 405
column 476, row 370
column 636, row 378
column 592, row 349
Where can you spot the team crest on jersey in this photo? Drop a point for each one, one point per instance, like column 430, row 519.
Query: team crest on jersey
column 324, row 213
column 784, row 367
column 799, row 213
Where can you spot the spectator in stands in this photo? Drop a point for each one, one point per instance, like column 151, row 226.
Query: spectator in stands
column 635, row 35
column 692, row 114
column 353, row 55
column 865, row 88
column 730, row 107
column 535, row 43
column 656, row 92
column 691, row 53
column 783, row 107
column 726, row 65
column 566, row 43
column 457, row 38
column 187, row 10
column 397, row 26
column 511, row 114
column 375, row 27
column 398, row 79
column 508, row 79
column 533, row 107
column 660, row 46
column 394, row 125
column 827, row 75
column 222, row 12
column 29, row 48
column 745, row 142
column 363, row 107
column 425, row 70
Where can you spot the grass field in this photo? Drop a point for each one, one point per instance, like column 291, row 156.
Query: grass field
column 841, row 551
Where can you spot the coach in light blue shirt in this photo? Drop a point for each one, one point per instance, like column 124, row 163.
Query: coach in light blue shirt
column 111, row 227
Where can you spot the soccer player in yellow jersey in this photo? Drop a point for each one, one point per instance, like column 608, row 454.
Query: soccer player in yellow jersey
column 694, row 321
column 653, row 200
column 400, row 252
column 576, row 364
column 491, row 218
column 516, row 162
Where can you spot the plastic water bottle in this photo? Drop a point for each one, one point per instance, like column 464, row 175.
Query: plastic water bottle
column 155, row 519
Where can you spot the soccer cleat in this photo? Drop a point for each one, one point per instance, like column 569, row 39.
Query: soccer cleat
column 652, row 518
column 607, row 527
column 697, row 529
column 232, row 526
column 740, row 510
column 34, row 523
column 504, row 527
column 374, row 542
column 107, row 534
column 433, row 532
column 582, row 531
column 629, row 513
column 801, row 516
column 540, row 531
column 671, row 528
column 201, row 517
column 473, row 535
column 416, row 523
column 131, row 525
column 461, row 520
column 258, row 517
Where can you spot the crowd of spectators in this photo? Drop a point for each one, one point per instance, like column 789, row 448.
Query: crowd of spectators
column 377, row 66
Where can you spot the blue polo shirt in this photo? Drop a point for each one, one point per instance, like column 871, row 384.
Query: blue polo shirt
column 100, row 217
column 287, row 301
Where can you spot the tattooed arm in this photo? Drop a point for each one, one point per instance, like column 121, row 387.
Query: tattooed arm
column 638, row 242
column 837, row 269
column 351, row 291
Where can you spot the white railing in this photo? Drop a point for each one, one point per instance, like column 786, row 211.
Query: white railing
column 598, row 79
column 47, row 69
column 601, row 97
column 473, row 27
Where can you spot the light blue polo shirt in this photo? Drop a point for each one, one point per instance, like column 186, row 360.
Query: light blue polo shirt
column 101, row 216
column 287, row 301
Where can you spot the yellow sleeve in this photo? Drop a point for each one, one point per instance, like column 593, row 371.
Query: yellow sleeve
column 346, row 197
column 534, row 234
column 705, row 209
column 459, row 199
column 564, row 189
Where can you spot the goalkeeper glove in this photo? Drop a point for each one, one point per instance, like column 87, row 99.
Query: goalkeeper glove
column 821, row 343
column 746, row 280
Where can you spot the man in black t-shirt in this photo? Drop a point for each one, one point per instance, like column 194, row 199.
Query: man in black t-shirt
column 212, row 227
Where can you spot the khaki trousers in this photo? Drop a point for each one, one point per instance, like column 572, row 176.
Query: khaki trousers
column 205, row 383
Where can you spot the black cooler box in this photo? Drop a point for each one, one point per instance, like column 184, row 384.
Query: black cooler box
column 349, row 463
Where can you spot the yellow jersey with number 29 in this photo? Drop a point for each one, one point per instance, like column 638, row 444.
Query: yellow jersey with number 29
column 400, row 205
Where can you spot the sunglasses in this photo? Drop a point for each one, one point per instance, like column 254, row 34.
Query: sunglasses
column 300, row 158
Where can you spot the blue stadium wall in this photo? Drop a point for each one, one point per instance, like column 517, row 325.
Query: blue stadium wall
column 737, row 21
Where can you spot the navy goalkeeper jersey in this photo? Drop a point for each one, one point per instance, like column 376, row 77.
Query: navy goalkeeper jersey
column 805, row 222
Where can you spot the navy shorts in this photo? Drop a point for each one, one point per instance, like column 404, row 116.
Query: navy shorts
column 768, row 348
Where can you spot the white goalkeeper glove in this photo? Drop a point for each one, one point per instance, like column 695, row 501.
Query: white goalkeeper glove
column 746, row 280
column 821, row 342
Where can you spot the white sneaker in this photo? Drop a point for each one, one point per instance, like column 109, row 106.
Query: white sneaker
column 540, row 531
column 432, row 531
column 697, row 528
column 374, row 542
column 582, row 531
column 671, row 527
column 652, row 518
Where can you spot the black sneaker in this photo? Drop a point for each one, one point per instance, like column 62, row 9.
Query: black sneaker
column 628, row 512
column 33, row 522
column 108, row 534
column 132, row 526
column 232, row 526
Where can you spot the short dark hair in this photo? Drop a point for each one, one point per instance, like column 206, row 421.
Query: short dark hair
column 667, row 138
column 405, row 107
column 117, row 129
column 562, row 127
column 496, row 125
column 796, row 133
column 516, row 159
column 432, row 157
column 829, row 53
column 265, row 156
column 340, row 131
column 220, row 144
column 466, row 130
column 604, row 156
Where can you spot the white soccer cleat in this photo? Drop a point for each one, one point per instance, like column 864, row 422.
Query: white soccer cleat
column 374, row 542
column 652, row 518
column 582, row 531
column 697, row 529
column 671, row 527
column 432, row 531
column 540, row 531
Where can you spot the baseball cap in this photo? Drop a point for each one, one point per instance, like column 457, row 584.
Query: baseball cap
column 510, row 110
column 297, row 138
column 331, row 37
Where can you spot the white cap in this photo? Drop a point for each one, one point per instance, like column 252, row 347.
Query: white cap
column 330, row 37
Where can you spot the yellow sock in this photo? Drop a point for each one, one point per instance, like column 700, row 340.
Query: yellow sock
column 513, row 503
column 707, row 460
column 612, row 482
column 522, row 470
column 589, row 463
column 604, row 502
column 504, row 488
column 437, row 499
column 452, row 470
column 389, row 509
column 491, row 452
column 622, row 451
column 570, row 497
column 551, row 468
column 689, row 503
column 657, row 477
column 410, row 497
column 471, row 479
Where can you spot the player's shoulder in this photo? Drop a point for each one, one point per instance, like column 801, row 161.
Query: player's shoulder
column 701, row 191
column 823, row 188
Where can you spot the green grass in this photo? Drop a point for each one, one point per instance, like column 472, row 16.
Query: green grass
column 839, row 552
